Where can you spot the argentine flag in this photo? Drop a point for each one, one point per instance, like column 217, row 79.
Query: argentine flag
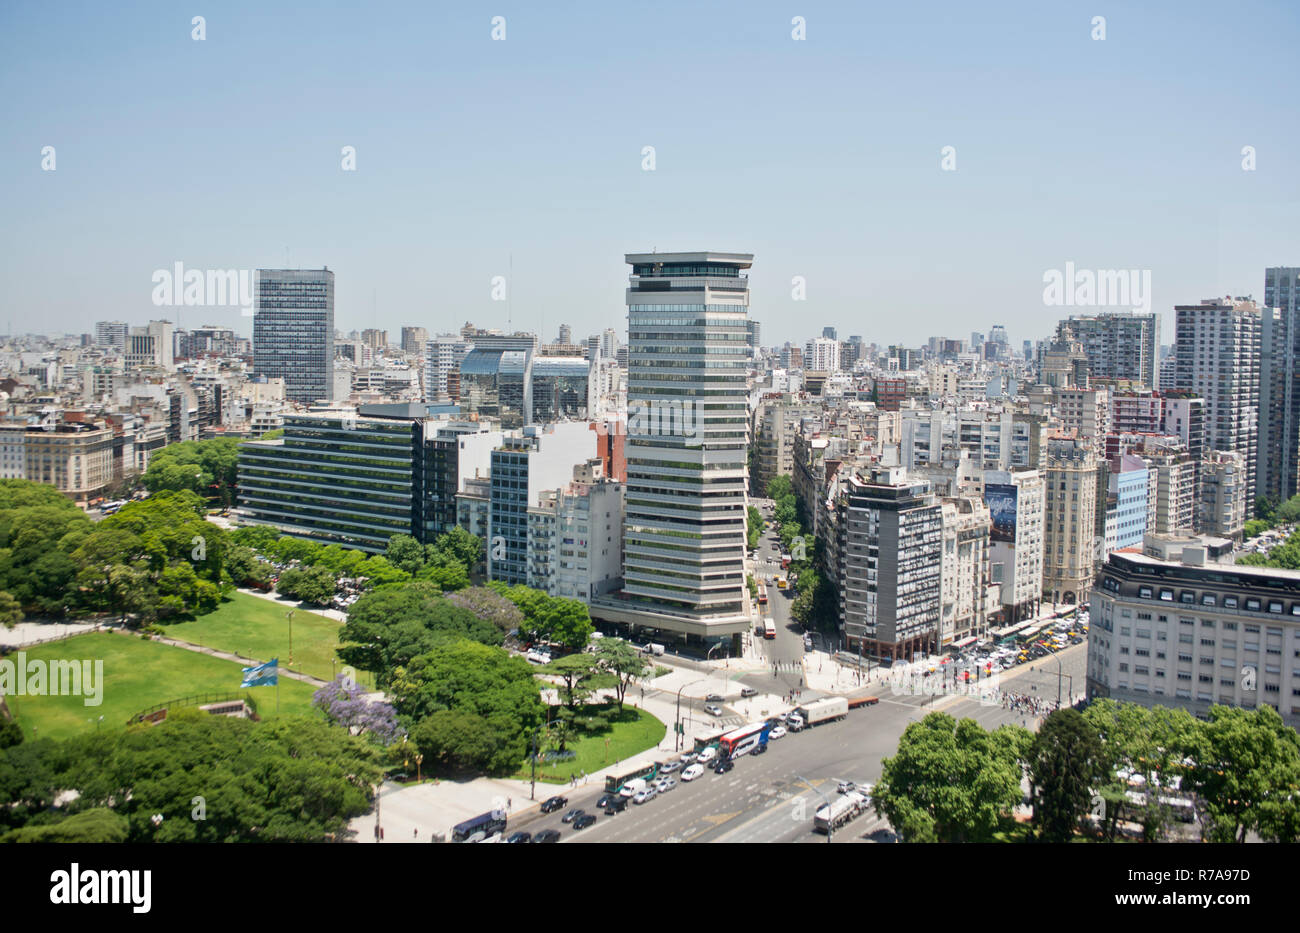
column 262, row 675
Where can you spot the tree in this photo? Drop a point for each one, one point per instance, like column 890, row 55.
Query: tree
column 390, row 626
column 473, row 678
column 405, row 553
column 448, row 574
column 1289, row 511
column 291, row 779
column 950, row 781
column 459, row 545
column 489, row 606
column 99, row 824
column 754, row 528
column 246, row 568
column 623, row 661
column 10, row 612
column 311, row 585
column 580, row 674
column 780, row 487
column 344, row 703
column 459, row 742
column 1066, row 762
column 1247, row 770
column 207, row 468
column 567, row 622
column 1150, row 742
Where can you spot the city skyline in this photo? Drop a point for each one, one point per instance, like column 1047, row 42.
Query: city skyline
column 478, row 158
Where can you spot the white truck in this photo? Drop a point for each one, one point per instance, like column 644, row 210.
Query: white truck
column 839, row 811
column 824, row 710
column 633, row 787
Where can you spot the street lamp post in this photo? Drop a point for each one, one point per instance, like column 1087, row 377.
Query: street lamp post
column 677, row 747
column 289, row 615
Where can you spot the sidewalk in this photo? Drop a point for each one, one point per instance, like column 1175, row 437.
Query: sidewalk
column 287, row 603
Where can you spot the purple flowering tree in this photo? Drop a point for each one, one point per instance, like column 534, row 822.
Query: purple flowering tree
column 344, row 703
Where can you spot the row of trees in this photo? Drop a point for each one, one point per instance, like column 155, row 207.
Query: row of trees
column 193, row 778
column 814, row 604
column 152, row 559
column 1285, row 555
column 954, row 782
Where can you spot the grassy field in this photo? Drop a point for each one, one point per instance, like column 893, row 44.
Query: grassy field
column 139, row 674
column 253, row 627
column 632, row 732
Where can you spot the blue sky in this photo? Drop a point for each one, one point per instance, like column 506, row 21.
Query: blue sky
column 522, row 157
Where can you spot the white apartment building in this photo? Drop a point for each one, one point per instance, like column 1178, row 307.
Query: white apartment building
column 822, row 355
column 1173, row 626
column 1016, row 501
column 575, row 536
column 1218, row 346
column 968, row 598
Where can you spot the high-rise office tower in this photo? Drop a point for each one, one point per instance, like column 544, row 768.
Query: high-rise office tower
column 1118, row 346
column 1218, row 347
column 1069, row 516
column 111, row 334
column 686, row 456
column 566, row 334
column 829, row 333
column 1279, row 377
column 293, row 331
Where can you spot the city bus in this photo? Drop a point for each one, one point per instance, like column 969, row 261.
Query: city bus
column 744, row 740
column 481, row 827
column 769, row 628
column 614, row 783
column 762, row 595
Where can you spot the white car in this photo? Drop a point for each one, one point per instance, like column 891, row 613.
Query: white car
column 692, row 772
column 777, row 732
column 643, row 795
column 665, row 785
column 669, row 767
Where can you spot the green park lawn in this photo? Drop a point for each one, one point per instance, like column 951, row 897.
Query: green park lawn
column 139, row 674
column 631, row 733
column 253, row 627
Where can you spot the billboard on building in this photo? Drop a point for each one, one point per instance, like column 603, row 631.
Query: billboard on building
column 1001, row 500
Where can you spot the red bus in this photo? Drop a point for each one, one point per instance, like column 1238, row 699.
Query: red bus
column 762, row 595
column 744, row 740
column 769, row 628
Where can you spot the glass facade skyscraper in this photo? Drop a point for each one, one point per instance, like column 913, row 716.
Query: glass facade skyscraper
column 293, row 331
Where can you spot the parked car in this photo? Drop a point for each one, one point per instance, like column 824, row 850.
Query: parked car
column 572, row 815
column 547, row 835
column 519, row 837
column 584, row 821
column 551, row 804
column 692, row 772
column 713, row 710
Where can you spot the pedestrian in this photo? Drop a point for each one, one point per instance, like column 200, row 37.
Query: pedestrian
column 510, row 804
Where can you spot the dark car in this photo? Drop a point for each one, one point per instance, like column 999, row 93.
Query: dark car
column 584, row 821
column 551, row 804
column 724, row 766
column 616, row 804
column 604, row 801
column 547, row 835
column 519, row 837
column 573, row 816
column 758, row 750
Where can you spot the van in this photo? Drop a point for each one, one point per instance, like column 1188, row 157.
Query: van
column 748, row 692
column 654, row 649
column 633, row 787
column 707, row 755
